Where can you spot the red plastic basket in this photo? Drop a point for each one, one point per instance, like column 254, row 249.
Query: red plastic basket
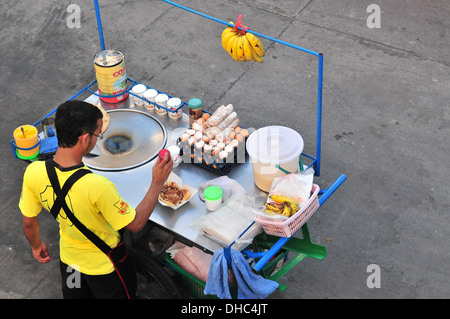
column 288, row 227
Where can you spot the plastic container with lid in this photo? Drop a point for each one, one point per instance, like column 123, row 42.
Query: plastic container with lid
column 161, row 99
column 195, row 110
column 150, row 95
column 139, row 90
column 173, row 104
column 213, row 197
column 270, row 146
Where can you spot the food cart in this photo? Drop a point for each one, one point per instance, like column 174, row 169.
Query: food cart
column 132, row 177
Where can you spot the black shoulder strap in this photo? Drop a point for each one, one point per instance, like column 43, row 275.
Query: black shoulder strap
column 60, row 202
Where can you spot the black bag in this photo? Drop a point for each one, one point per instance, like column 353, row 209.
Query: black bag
column 118, row 255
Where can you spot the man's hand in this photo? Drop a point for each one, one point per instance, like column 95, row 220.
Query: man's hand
column 161, row 170
column 40, row 253
column 31, row 231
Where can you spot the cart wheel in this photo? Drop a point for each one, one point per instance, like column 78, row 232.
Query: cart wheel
column 153, row 281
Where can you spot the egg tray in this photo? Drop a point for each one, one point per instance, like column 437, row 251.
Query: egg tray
column 220, row 168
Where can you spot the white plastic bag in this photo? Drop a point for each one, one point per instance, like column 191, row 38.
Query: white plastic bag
column 297, row 186
column 193, row 260
column 229, row 187
column 227, row 223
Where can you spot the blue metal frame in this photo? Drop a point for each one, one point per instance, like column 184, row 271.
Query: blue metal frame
column 324, row 194
column 317, row 159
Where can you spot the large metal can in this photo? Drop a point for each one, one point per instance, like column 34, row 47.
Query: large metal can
column 111, row 75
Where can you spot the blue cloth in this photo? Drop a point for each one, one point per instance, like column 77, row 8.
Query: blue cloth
column 250, row 285
column 49, row 145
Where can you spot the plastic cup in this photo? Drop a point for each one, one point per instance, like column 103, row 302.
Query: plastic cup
column 150, row 95
column 139, row 90
column 26, row 136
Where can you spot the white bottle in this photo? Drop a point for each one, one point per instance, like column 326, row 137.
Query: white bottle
column 213, row 197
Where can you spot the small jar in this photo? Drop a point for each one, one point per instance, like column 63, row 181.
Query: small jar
column 213, row 197
column 139, row 90
column 150, row 95
column 161, row 100
column 175, row 155
column 173, row 104
column 195, row 110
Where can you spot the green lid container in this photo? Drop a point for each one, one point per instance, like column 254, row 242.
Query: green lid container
column 212, row 193
column 195, row 104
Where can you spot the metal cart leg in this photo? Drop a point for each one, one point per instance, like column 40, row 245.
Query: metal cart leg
column 302, row 247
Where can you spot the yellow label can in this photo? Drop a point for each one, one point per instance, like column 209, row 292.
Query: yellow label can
column 111, row 75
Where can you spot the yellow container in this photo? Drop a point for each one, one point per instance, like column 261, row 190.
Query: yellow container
column 26, row 139
column 111, row 75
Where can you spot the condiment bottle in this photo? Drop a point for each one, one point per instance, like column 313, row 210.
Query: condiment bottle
column 150, row 95
column 139, row 90
column 161, row 100
column 195, row 110
column 213, row 197
column 172, row 104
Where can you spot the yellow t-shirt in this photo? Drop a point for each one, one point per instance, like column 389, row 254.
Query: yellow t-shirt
column 95, row 202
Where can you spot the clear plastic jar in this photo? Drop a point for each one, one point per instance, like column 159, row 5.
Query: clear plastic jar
column 173, row 104
column 213, row 197
column 161, row 99
column 195, row 110
column 150, row 95
column 139, row 90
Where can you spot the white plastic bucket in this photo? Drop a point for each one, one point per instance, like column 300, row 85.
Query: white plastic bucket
column 272, row 145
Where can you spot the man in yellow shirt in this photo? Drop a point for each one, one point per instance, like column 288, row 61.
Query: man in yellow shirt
column 93, row 200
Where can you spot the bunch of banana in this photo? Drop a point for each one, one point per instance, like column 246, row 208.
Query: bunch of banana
column 241, row 45
column 281, row 205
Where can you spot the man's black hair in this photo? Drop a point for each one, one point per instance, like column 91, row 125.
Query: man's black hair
column 73, row 119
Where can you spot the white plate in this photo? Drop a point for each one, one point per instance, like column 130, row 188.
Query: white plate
column 177, row 180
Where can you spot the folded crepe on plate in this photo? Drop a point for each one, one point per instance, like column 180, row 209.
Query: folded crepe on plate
column 174, row 194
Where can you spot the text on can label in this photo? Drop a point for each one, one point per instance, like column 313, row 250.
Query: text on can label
column 119, row 73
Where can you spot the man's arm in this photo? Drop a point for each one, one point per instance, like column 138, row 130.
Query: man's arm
column 161, row 172
column 31, row 229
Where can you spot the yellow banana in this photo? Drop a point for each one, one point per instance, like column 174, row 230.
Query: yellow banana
column 247, row 49
column 294, row 207
column 287, row 211
column 230, row 43
column 240, row 49
column 226, row 30
column 234, row 47
column 268, row 211
column 256, row 44
column 227, row 36
column 256, row 57
column 276, row 208
column 282, row 199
